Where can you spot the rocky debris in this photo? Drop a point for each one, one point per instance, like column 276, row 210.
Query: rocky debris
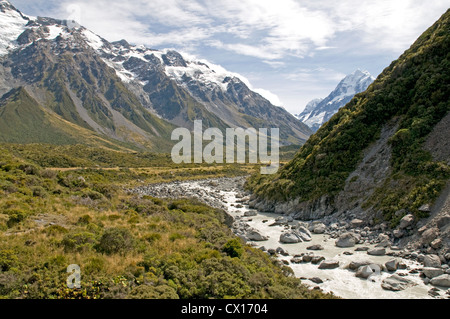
column 357, row 223
column 392, row 265
column 436, row 244
column 329, row 264
column 290, row 238
column 297, row 235
column 443, row 221
column 377, row 252
column 362, row 249
column 250, row 213
column 315, row 247
column 406, row 221
column 441, row 281
column 317, row 260
column 280, row 221
column 254, row 235
column 308, row 258
column 431, row 261
column 319, row 229
column 434, row 292
column 397, row 283
column 297, row 260
column 347, row 240
column 355, row 265
column 384, row 241
column 429, row 235
column 367, row 271
column 282, row 252
column 316, row 280
column 431, row 272
column 398, row 233
column 425, row 208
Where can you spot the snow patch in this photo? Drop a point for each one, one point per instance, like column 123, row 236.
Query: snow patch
column 12, row 24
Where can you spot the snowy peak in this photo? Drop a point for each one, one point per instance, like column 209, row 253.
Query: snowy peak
column 319, row 111
column 12, row 24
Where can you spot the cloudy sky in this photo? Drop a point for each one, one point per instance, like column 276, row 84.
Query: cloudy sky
column 291, row 50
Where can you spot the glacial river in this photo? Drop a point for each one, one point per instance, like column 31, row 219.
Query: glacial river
column 342, row 282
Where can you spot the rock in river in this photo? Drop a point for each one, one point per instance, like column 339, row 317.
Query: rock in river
column 296, row 236
column 347, row 240
column 441, row 281
column 431, row 273
column 255, row 235
column 329, row 264
column 397, row 283
column 377, row 252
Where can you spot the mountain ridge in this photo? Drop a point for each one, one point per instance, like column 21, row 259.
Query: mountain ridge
column 320, row 111
column 127, row 93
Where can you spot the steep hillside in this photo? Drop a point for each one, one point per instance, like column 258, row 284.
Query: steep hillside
column 373, row 158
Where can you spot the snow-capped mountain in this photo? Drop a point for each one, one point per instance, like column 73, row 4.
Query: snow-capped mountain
column 320, row 111
column 122, row 90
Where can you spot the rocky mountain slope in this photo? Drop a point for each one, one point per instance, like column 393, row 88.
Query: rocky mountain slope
column 320, row 111
column 383, row 158
column 133, row 95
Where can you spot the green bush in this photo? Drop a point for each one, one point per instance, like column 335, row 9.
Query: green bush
column 78, row 241
column 8, row 260
column 152, row 292
column 116, row 240
column 233, row 248
column 16, row 216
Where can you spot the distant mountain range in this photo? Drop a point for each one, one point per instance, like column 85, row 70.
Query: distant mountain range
column 320, row 111
column 75, row 87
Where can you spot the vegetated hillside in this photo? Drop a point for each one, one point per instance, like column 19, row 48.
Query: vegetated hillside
column 24, row 120
column 394, row 116
column 127, row 246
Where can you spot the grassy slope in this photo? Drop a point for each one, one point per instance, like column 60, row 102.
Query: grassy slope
column 416, row 89
column 127, row 247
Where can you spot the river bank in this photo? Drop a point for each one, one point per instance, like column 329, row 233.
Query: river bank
column 336, row 256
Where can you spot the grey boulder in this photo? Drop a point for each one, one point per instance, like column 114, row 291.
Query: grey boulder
column 397, row 283
column 347, row 240
column 441, row 281
column 329, row 264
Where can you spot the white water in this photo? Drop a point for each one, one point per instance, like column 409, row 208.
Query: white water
column 342, row 282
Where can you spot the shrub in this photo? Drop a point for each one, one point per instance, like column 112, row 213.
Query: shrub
column 78, row 241
column 175, row 236
column 152, row 237
column 84, row 220
column 233, row 248
column 16, row 216
column 8, row 260
column 116, row 240
column 38, row 191
column 152, row 292
column 54, row 230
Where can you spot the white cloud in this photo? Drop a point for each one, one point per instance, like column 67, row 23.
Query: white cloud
column 271, row 97
column 265, row 29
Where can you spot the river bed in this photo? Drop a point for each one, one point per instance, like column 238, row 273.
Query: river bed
column 227, row 194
